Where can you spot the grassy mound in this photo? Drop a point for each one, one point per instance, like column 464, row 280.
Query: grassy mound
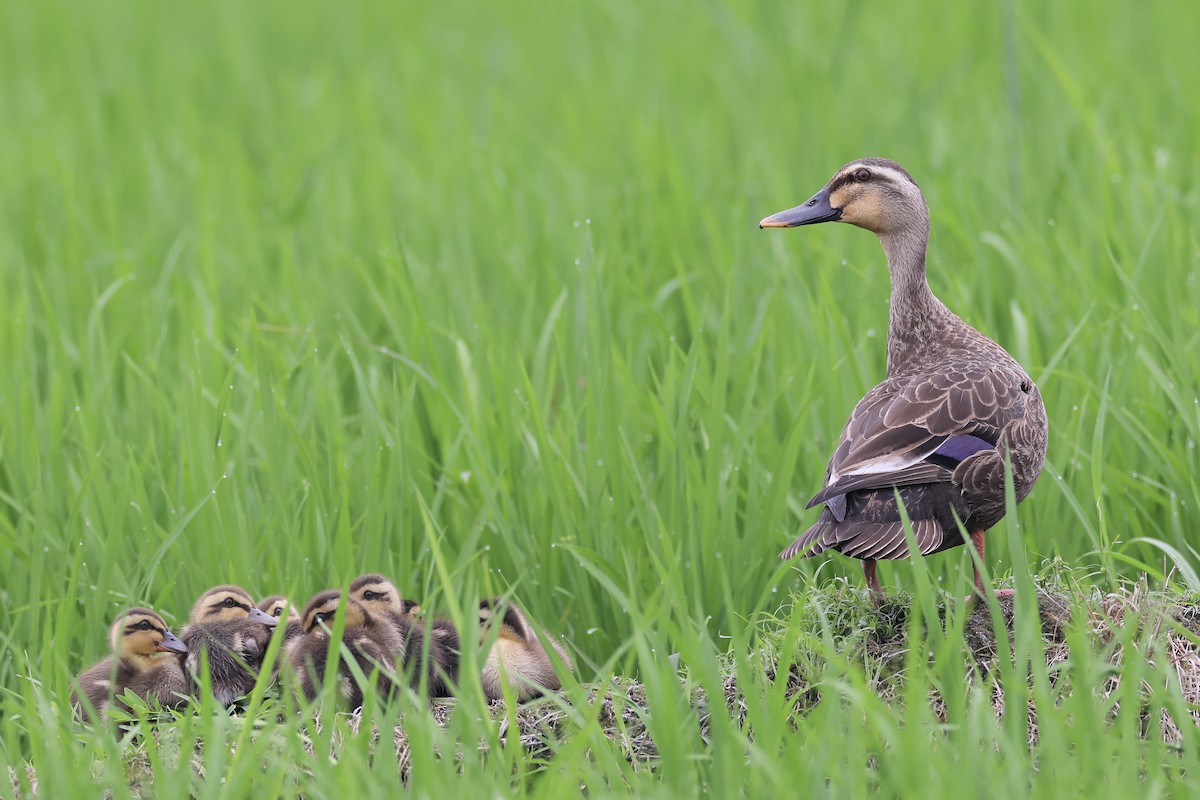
column 1128, row 661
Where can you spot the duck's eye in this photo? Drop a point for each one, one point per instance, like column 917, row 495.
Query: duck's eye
column 862, row 175
column 144, row 625
column 369, row 595
column 229, row 602
column 277, row 612
column 324, row 616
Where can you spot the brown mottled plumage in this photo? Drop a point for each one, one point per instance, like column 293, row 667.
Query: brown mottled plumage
column 143, row 660
column 374, row 643
column 381, row 597
column 517, row 656
column 953, row 405
column 234, row 633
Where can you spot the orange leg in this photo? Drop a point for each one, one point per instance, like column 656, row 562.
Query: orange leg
column 872, row 580
column 977, row 540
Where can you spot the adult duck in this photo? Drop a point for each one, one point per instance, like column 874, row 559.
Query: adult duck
column 934, row 435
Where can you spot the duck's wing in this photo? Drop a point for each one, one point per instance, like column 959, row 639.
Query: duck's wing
column 917, row 428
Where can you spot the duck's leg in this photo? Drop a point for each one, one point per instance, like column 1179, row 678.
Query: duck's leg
column 872, row 580
column 977, row 540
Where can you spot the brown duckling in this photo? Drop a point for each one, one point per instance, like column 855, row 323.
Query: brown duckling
column 226, row 625
column 275, row 606
column 517, row 654
column 374, row 642
column 381, row 597
column 139, row 640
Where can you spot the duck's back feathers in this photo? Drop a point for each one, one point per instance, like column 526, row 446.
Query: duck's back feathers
column 937, row 439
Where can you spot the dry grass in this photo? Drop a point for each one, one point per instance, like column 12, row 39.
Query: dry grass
column 1156, row 625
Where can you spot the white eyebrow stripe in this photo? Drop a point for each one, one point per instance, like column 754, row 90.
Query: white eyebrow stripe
column 885, row 172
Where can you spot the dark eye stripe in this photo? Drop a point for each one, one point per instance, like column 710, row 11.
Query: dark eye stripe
column 220, row 606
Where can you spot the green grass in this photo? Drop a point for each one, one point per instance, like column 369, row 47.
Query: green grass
column 472, row 295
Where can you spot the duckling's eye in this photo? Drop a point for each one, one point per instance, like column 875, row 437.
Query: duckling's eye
column 144, row 625
column 324, row 616
column 862, row 175
column 229, row 602
column 369, row 595
column 277, row 612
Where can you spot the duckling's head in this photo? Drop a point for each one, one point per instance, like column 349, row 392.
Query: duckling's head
column 140, row 632
column 379, row 595
column 326, row 605
column 228, row 604
column 872, row 193
column 498, row 612
column 275, row 606
column 410, row 609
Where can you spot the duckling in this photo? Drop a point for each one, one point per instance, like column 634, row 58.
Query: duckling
column 381, row 597
column 226, row 625
column 274, row 606
column 373, row 641
column 934, row 436
column 139, row 639
column 517, row 654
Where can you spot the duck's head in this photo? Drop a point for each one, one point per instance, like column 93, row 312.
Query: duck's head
column 276, row 605
column 497, row 612
column 872, row 193
column 140, row 632
column 325, row 606
column 228, row 604
column 379, row 595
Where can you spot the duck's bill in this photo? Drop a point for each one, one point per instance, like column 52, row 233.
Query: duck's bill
column 815, row 210
column 171, row 644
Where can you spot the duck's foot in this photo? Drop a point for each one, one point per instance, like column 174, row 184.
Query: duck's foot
column 1001, row 594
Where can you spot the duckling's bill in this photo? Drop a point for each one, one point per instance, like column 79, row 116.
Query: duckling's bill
column 817, row 209
column 258, row 615
column 171, row 644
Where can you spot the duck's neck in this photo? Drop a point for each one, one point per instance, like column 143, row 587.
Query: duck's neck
column 916, row 316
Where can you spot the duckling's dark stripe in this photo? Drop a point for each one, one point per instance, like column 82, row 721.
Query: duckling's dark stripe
column 220, row 606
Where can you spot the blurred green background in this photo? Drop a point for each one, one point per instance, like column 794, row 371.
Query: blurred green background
column 295, row 291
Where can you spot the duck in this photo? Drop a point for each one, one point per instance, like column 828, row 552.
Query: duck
column 274, row 606
column 372, row 640
column 143, row 660
column 381, row 596
column 517, row 656
column 226, row 625
column 933, row 436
